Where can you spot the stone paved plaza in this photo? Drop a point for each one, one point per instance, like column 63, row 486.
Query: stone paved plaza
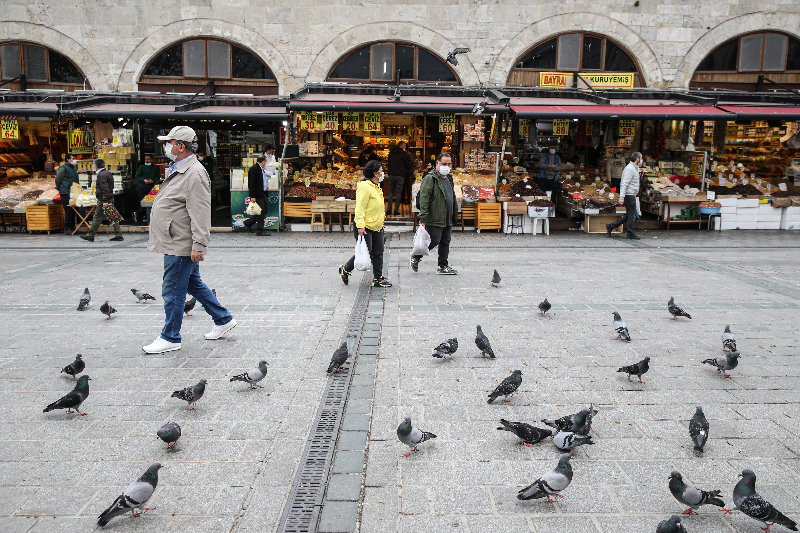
column 236, row 463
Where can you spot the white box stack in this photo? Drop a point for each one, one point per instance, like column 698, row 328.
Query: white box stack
column 790, row 218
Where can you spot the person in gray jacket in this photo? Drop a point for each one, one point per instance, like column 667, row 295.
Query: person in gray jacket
column 104, row 190
column 628, row 189
column 180, row 226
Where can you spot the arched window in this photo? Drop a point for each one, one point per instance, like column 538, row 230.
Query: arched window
column 738, row 63
column 573, row 52
column 379, row 63
column 43, row 68
column 194, row 62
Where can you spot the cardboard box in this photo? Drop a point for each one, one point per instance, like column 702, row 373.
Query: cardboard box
column 541, row 212
column 516, row 208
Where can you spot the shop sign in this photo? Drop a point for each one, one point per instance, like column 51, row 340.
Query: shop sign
column 696, row 165
column 447, row 123
column 396, row 120
column 80, row 142
column 9, row 130
column 627, row 128
column 372, row 121
column 308, row 120
column 610, row 80
column 524, row 126
column 561, row 126
column 553, row 79
column 330, row 120
column 349, row 121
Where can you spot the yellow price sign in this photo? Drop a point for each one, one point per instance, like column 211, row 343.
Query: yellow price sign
column 524, row 126
column 349, row 121
column 9, row 129
column 330, row 120
column 588, row 127
column 308, row 120
column 627, row 128
column 561, row 126
column 372, row 121
column 447, row 123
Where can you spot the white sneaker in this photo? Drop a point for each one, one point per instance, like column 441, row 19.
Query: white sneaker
column 161, row 345
column 217, row 332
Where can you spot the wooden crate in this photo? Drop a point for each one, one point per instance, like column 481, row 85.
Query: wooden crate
column 44, row 217
column 320, row 206
column 297, row 209
column 489, row 216
column 597, row 223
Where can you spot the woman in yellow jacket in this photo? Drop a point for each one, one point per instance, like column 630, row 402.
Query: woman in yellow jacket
column 369, row 223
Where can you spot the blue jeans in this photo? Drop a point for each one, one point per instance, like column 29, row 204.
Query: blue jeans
column 182, row 276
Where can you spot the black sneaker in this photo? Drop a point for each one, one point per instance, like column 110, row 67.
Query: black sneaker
column 447, row 270
column 344, row 274
column 87, row 238
column 381, row 282
column 608, row 229
column 634, row 237
column 117, row 238
column 415, row 263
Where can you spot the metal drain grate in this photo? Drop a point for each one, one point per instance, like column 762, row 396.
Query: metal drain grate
column 305, row 498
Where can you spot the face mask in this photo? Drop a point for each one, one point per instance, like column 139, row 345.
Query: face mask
column 73, row 162
column 552, row 150
column 617, row 156
column 444, row 170
column 639, row 163
column 199, row 157
column 168, row 152
column 380, row 177
column 147, row 164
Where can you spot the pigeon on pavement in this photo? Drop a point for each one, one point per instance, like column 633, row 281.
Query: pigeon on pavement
column 728, row 341
column 673, row 525
column 75, row 367
column 529, row 434
column 135, row 496
column 748, row 501
column 676, row 311
column 726, row 362
column 495, row 279
column 85, row 299
column 508, row 387
column 691, row 496
column 189, row 305
column 107, row 310
column 567, row 440
column 482, row 342
column 544, row 307
column 579, row 423
column 621, row 328
column 698, row 429
column 411, row 436
column 550, row 484
column 446, row 349
column 74, row 398
column 169, row 433
column 636, row 369
column 141, row 295
column 191, row 394
column 253, row 376
column 338, row 358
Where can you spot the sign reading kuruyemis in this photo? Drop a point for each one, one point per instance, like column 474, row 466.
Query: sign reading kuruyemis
column 605, row 80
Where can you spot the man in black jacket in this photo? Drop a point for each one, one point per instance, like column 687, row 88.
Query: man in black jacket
column 257, row 181
column 104, row 190
column 399, row 168
column 367, row 154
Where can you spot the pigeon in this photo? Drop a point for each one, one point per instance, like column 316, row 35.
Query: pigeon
column 135, row 496
column 544, row 307
column 188, row 306
column 529, row 434
column 107, row 310
column 551, row 483
column 728, row 361
column 698, row 429
column 748, row 501
column 579, row 423
column 676, row 311
column 621, row 328
column 169, row 433
column 567, row 440
column 496, row 279
column 411, row 436
column 141, row 296
column 728, row 342
column 75, row 367
column 191, row 394
column 338, row 358
column 636, row 369
column 508, row 387
column 483, row 344
column 253, row 376
column 446, row 349
column 691, row 496
column 85, row 299
column 673, row 525
column 74, row 398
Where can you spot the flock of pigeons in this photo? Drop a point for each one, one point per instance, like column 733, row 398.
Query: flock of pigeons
column 141, row 297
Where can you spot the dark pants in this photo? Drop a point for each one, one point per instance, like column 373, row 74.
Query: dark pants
column 258, row 219
column 141, row 193
column 439, row 237
column 407, row 190
column 615, row 182
column 546, row 184
column 69, row 214
column 98, row 218
column 395, row 191
column 630, row 214
column 374, row 240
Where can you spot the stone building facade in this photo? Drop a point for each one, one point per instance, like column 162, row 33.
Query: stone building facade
column 300, row 40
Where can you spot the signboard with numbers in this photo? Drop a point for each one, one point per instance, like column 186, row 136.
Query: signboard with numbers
column 560, row 126
column 9, row 130
column 447, row 123
column 308, row 120
column 372, row 121
column 330, row 120
column 80, row 142
column 627, row 128
column 349, row 121
column 524, row 126
column 588, row 127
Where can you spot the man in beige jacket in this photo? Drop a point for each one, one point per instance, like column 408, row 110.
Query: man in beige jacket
column 180, row 224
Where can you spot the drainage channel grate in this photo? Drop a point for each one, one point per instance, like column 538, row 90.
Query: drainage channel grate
column 305, row 498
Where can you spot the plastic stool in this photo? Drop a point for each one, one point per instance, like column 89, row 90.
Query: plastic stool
column 545, row 223
column 515, row 222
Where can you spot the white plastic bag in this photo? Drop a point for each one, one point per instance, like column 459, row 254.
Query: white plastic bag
column 363, row 262
column 253, row 208
column 638, row 208
column 422, row 240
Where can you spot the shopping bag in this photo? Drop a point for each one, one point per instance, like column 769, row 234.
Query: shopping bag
column 638, row 208
column 422, row 240
column 253, row 208
column 112, row 214
column 363, row 262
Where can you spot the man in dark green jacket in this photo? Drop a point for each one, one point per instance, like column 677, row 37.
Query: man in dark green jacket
column 147, row 176
column 65, row 177
column 438, row 212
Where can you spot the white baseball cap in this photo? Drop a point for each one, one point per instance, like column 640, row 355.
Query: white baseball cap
column 179, row 133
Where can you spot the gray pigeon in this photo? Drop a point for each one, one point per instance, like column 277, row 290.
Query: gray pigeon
column 544, row 307
column 676, row 311
column 141, row 295
column 529, row 434
column 673, row 525
column 579, row 423
column 621, row 328
column 338, row 358
column 189, row 305
column 726, row 362
column 691, row 496
column 446, row 349
column 550, row 484
column 728, row 341
column 191, row 394
column 508, row 387
column 135, row 496
column 495, row 279
column 107, row 310
column 74, row 398
column 85, row 299
column 253, row 376
column 636, row 369
column 75, row 367
column 567, row 440
column 169, row 433
column 698, row 429
column 482, row 342
column 748, row 501
column 411, row 436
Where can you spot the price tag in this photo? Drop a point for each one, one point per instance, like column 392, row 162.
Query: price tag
column 782, row 186
column 711, row 195
column 447, row 123
column 308, row 120
column 524, row 126
column 588, row 127
column 349, row 121
column 249, row 150
column 722, row 180
column 627, row 128
column 9, row 130
column 372, row 121
column 330, row 120
column 758, row 181
column 560, row 126
column 745, row 181
column 734, row 181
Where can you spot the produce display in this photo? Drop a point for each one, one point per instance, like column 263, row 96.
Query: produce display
column 151, row 196
column 731, row 189
column 541, row 203
column 710, row 204
column 22, row 193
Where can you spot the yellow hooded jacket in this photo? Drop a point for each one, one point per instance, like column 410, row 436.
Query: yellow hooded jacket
column 369, row 206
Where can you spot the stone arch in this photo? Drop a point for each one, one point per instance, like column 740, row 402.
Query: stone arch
column 540, row 31
column 388, row 31
column 61, row 43
column 768, row 21
column 167, row 35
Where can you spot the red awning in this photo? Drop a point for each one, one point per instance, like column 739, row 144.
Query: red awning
column 787, row 113
column 640, row 112
column 392, row 107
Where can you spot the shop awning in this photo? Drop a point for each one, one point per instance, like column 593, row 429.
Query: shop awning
column 786, row 113
column 640, row 112
column 28, row 109
column 420, row 105
column 166, row 112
